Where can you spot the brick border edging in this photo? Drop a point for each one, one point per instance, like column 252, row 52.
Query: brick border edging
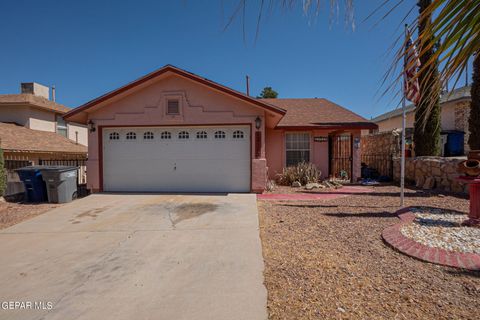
column 393, row 237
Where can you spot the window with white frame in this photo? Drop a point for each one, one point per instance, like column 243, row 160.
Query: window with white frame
column 148, row 135
column 201, row 135
column 183, row 135
column 219, row 135
column 131, row 136
column 297, row 146
column 165, row 135
column 62, row 128
column 173, row 106
column 238, row 134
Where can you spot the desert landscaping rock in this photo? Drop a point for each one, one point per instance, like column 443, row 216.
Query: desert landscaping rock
column 323, row 256
column 442, row 229
column 12, row 213
column 296, row 184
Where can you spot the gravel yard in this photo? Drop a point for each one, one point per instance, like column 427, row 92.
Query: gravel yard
column 442, row 229
column 12, row 213
column 327, row 260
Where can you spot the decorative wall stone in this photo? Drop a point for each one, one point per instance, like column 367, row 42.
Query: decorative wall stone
column 462, row 113
column 384, row 143
column 441, row 171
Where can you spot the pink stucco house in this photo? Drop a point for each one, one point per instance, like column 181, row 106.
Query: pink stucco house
column 174, row 131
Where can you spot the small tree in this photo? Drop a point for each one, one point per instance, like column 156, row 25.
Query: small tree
column 474, row 120
column 268, row 92
column 3, row 175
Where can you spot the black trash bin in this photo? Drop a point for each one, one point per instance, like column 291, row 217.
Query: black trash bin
column 35, row 189
column 61, row 183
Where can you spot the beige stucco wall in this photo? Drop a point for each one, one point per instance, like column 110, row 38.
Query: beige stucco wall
column 200, row 105
column 42, row 120
column 28, row 117
column 396, row 123
column 18, row 114
column 447, row 119
column 37, row 119
column 78, row 133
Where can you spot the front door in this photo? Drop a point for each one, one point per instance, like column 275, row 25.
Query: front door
column 340, row 154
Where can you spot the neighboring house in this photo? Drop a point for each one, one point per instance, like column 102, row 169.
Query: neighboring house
column 455, row 106
column 33, row 131
column 173, row 131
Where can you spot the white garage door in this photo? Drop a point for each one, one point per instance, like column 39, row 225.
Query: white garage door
column 176, row 159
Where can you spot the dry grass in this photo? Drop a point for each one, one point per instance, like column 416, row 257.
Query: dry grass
column 13, row 213
column 326, row 260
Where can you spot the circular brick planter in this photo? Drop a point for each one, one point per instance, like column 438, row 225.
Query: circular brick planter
column 398, row 241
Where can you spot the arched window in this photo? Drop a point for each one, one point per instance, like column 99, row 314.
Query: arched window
column 183, row 135
column 131, row 136
column 148, row 135
column 114, row 136
column 201, row 135
column 165, row 135
column 238, row 134
column 220, row 135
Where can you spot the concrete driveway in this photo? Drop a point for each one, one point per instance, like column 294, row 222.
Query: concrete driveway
column 137, row 257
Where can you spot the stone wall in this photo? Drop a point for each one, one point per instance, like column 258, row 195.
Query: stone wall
column 378, row 149
column 384, row 143
column 431, row 173
column 462, row 113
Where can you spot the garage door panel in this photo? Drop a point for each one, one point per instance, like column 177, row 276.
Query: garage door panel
column 216, row 164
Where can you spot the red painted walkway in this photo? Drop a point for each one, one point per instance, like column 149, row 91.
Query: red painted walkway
column 313, row 195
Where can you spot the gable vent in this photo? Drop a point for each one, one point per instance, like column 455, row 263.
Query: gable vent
column 173, row 107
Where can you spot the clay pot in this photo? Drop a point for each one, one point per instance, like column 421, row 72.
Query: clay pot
column 470, row 167
column 474, row 154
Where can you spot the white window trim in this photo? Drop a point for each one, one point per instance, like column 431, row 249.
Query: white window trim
column 238, row 138
column 168, row 135
column 201, row 131
column 309, row 145
column 222, row 135
column 149, row 134
column 134, row 134
column 63, row 127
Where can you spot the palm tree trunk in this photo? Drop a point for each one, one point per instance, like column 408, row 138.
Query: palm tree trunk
column 427, row 113
column 474, row 119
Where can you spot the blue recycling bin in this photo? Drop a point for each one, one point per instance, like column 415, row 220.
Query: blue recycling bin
column 35, row 188
column 454, row 146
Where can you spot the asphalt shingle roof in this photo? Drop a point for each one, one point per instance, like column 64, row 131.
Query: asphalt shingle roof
column 18, row 138
column 317, row 112
column 33, row 100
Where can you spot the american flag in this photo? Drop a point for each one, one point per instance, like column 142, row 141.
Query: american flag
column 412, row 64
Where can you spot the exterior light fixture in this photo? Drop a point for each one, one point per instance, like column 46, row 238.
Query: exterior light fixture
column 258, row 123
column 91, row 126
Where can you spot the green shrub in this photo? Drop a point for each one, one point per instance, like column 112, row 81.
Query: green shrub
column 3, row 174
column 303, row 172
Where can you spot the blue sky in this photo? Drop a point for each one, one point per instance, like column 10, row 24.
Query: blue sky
column 86, row 48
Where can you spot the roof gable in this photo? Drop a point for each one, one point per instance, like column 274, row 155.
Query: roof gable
column 185, row 74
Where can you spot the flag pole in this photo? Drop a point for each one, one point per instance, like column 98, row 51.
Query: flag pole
column 402, row 162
